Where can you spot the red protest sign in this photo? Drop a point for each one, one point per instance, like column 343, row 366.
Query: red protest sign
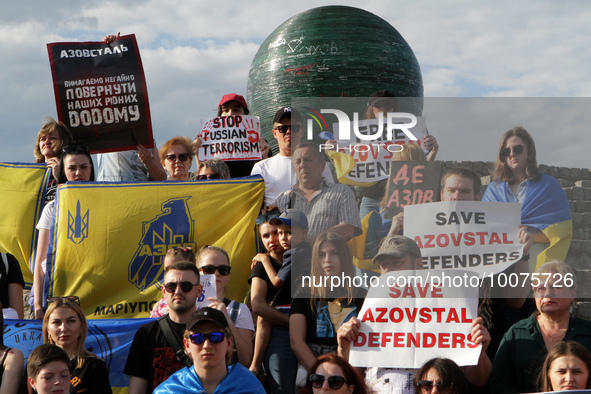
column 101, row 94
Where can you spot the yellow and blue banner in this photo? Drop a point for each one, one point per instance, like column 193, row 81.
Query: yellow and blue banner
column 109, row 339
column 22, row 194
column 109, row 239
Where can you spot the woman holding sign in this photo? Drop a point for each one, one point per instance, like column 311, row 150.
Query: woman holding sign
column 75, row 165
column 544, row 206
column 317, row 314
column 524, row 346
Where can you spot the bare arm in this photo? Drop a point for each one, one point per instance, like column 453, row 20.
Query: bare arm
column 151, row 161
column 346, row 334
column 258, row 291
column 271, row 273
column 478, row 374
column 297, row 340
column 397, row 224
column 13, row 372
column 137, row 385
column 15, row 299
column 432, row 146
column 38, row 275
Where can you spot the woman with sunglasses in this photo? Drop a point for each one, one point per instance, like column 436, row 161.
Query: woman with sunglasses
column 65, row 325
column 176, row 156
column 213, row 260
column 317, row 311
column 544, row 206
column 75, row 165
column 211, row 169
column 442, row 376
column 208, row 342
column 332, row 374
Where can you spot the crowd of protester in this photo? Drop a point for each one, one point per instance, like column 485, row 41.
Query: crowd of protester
column 307, row 218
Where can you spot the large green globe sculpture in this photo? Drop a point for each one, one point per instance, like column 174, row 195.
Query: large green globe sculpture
column 332, row 51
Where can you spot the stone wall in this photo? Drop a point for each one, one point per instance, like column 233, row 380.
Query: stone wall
column 576, row 183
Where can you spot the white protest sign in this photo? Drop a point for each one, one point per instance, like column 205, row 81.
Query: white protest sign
column 373, row 157
column 235, row 137
column 209, row 290
column 467, row 235
column 413, row 316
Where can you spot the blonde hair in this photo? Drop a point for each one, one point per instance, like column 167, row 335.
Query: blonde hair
column 64, row 134
column 182, row 141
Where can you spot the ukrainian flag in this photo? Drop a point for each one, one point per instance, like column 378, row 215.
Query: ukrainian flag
column 109, row 239
column 23, row 196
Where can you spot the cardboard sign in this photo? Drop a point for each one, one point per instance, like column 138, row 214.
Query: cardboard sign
column 413, row 316
column 411, row 183
column 231, row 138
column 101, row 93
column 373, row 158
column 466, row 235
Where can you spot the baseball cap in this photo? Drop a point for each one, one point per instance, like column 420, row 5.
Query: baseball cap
column 207, row 314
column 397, row 246
column 381, row 95
column 291, row 217
column 286, row 112
column 233, row 97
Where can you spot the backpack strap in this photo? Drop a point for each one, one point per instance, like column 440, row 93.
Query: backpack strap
column 174, row 342
column 235, row 309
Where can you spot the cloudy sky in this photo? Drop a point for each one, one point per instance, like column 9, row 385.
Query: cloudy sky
column 195, row 51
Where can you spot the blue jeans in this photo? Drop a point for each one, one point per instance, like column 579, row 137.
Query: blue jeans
column 280, row 363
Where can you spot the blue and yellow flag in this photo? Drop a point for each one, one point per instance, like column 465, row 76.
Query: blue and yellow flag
column 22, row 194
column 109, row 239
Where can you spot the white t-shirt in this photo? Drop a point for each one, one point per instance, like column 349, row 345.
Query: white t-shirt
column 45, row 224
column 244, row 319
column 279, row 176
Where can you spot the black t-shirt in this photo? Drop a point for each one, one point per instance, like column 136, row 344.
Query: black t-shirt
column 92, row 378
column 14, row 275
column 320, row 329
column 284, row 297
column 150, row 356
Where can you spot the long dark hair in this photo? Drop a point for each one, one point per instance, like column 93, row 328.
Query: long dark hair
column 70, row 150
column 452, row 377
column 350, row 374
column 502, row 172
column 563, row 348
column 2, row 347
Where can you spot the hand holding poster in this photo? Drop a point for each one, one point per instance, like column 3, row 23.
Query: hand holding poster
column 374, row 157
column 412, row 316
column 411, row 183
column 101, row 93
column 466, row 235
column 235, row 137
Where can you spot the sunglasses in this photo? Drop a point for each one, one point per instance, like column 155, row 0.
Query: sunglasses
column 517, row 149
column 334, row 382
column 266, row 217
column 428, row 385
column 71, row 298
column 214, row 337
column 212, row 176
column 181, row 157
column 185, row 286
column 224, row 270
column 295, row 128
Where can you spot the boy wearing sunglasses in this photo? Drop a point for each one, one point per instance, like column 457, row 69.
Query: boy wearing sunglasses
column 208, row 341
column 152, row 358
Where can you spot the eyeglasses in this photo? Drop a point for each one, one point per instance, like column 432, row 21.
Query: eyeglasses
column 265, row 217
column 334, row 382
column 212, row 176
column 181, row 157
column 428, row 385
column 200, row 338
column 295, row 128
column 517, row 149
column 224, row 270
column 185, row 286
column 71, row 298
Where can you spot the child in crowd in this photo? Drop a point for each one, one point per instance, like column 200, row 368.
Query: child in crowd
column 292, row 228
column 174, row 255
